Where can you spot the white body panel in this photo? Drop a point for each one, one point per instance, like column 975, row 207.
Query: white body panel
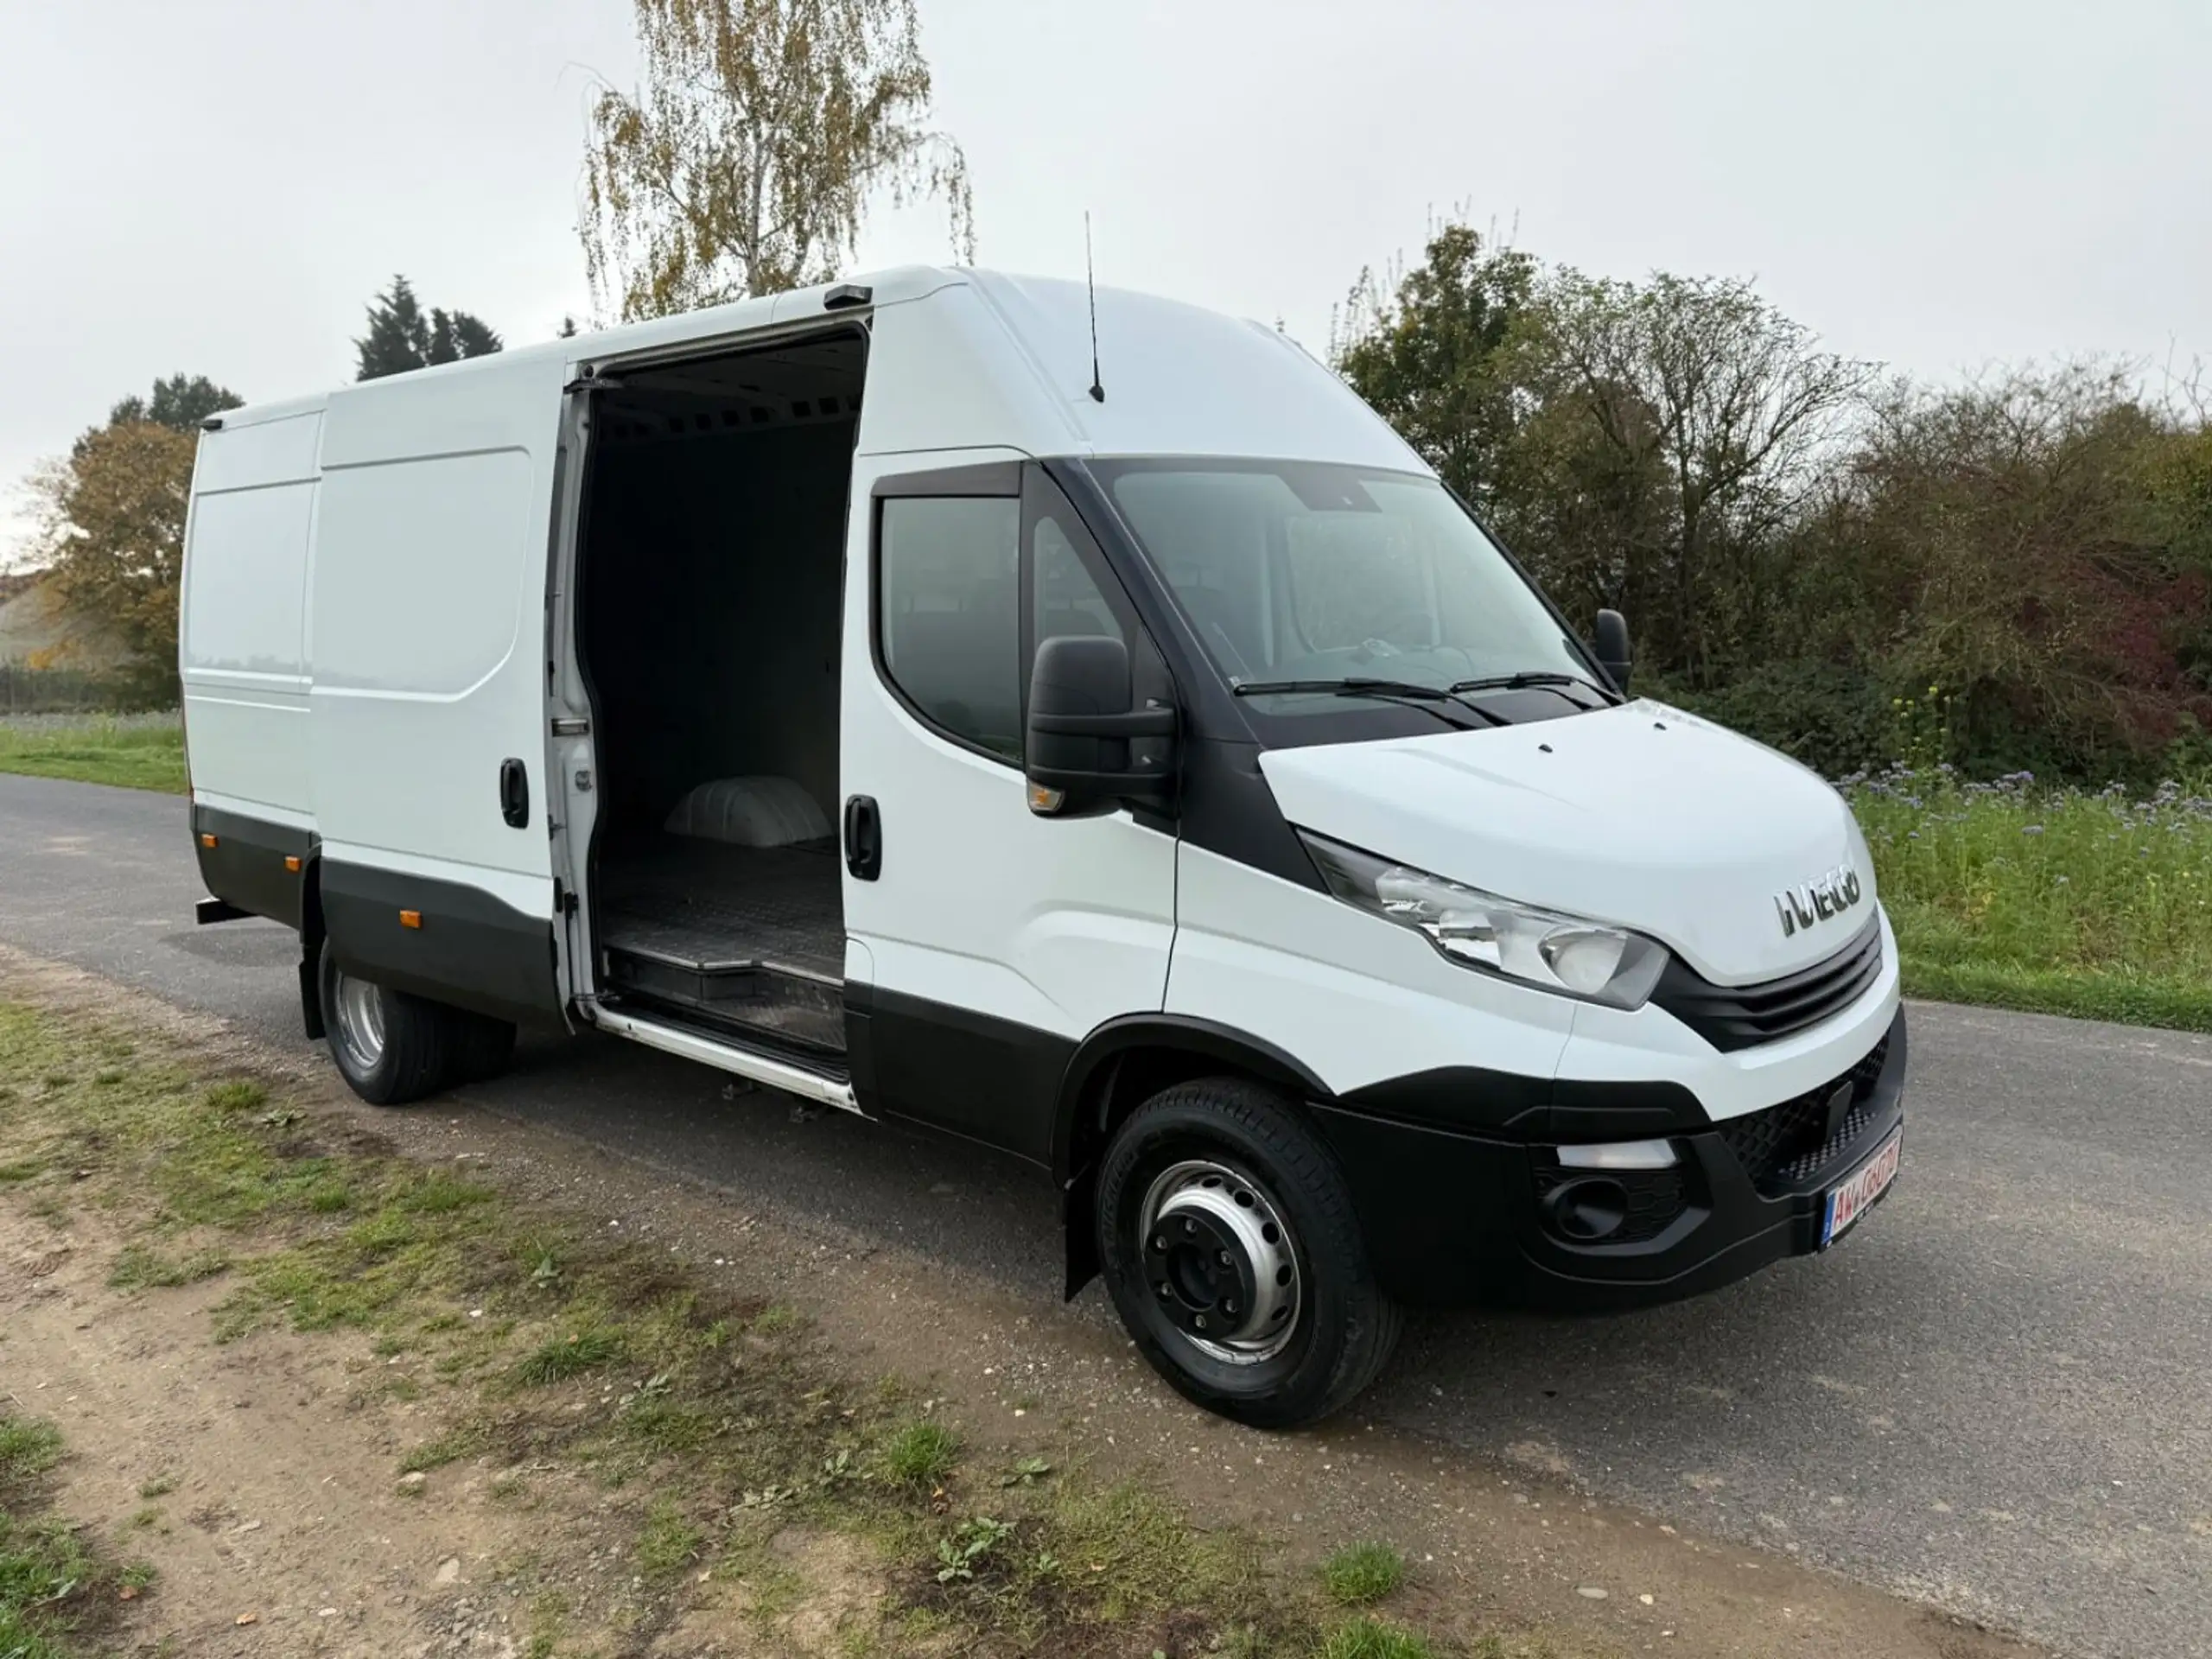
column 364, row 641
column 1609, row 1045
column 1058, row 925
column 1639, row 815
column 1355, row 998
column 427, row 620
column 242, row 654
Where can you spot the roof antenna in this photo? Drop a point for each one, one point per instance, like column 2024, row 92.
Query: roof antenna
column 1090, row 281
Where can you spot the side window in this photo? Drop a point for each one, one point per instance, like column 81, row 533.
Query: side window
column 949, row 614
column 1067, row 599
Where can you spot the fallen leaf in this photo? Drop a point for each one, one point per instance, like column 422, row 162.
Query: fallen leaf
column 249, row 1618
column 127, row 1592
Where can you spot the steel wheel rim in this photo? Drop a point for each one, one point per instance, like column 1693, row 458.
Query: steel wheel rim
column 1196, row 1202
column 360, row 1009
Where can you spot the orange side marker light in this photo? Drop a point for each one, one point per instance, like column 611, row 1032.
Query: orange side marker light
column 410, row 919
column 291, row 861
column 207, row 840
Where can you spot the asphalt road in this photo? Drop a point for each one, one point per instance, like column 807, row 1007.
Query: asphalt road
column 1997, row 1395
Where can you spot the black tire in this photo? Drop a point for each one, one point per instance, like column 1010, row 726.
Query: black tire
column 418, row 1045
column 486, row 1046
column 1341, row 1329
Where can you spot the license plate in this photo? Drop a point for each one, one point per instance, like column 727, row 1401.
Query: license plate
column 1846, row 1203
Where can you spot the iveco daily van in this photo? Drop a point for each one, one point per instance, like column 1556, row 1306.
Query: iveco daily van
column 1134, row 760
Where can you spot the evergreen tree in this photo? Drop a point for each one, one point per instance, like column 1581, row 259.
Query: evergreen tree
column 402, row 336
column 179, row 403
column 399, row 335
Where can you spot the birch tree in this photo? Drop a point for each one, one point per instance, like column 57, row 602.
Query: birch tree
column 747, row 158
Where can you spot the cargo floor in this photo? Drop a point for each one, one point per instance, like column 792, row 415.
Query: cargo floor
column 753, row 936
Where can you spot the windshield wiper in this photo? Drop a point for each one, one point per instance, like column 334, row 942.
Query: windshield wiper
column 1526, row 678
column 1421, row 696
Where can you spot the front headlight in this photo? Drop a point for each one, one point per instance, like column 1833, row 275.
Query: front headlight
column 1571, row 955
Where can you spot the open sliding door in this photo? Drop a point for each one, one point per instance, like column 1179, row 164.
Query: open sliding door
column 428, row 708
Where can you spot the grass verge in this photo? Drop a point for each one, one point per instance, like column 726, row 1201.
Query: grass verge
column 56, row 1594
column 2052, row 901
column 1360, row 1574
column 133, row 751
column 717, row 1430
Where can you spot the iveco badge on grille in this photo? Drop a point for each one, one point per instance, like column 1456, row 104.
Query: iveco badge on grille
column 1823, row 897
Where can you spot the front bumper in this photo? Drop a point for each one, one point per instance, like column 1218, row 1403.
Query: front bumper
column 1454, row 1218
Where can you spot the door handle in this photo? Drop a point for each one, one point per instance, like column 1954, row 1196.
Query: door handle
column 514, row 793
column 863, row 837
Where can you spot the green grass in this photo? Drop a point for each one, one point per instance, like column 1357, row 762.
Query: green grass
column 28, row 1448
column 919, row 1454
column 562, row 1357
column 1359, row 1576
column 715, row 1423
column 136, row 752
column 52, row 1586
column 667, row 1543
column 450, row 1447
column 141, row 1267
column 2098, row 905
column 1375, row 1639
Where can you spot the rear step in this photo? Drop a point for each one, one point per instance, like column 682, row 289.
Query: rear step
column 823, row 1081
column 782, row 1003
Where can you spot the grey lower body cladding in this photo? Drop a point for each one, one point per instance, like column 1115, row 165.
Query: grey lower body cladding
column 468, row 948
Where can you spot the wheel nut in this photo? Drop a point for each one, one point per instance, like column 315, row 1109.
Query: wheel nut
column 1227, row 1260
column 1190, row 1226
column 1229, row 1305
column 1198, row 1319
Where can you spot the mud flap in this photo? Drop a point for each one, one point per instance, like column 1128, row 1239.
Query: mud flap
column 310, row 1001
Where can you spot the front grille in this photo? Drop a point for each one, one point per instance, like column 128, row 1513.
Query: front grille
column 1744, row 1016
column 1785, row 1147
column 1655, row 1197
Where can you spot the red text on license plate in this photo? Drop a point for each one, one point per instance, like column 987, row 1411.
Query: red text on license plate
column 1846, row 1203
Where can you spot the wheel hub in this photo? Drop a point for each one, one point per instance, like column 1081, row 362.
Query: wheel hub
column 1220, row 1262
column 359, row 1008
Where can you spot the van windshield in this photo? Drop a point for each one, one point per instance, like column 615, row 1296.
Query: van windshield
column 1297, row 572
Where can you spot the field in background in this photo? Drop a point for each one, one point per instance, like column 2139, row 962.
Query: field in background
column 2051, row 900
column 2055, row 901
column 136, row 751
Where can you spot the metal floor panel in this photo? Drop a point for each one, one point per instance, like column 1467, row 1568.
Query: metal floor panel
column 711, row 907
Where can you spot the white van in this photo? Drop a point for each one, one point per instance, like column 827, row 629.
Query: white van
column 1143, row 765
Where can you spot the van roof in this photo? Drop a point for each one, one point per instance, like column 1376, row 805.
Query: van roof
column 1178, row 378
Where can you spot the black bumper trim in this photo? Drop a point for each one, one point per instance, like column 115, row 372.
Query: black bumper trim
column 245, row 868
column 470, row 948
column 1454, row 1219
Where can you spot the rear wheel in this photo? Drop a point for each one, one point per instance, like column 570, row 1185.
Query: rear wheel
column 1228, row 1243
column 486, row 1046
column 391, row 1047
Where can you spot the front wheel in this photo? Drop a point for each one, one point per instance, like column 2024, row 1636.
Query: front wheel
column 1231, row 1247
column 391, row 1047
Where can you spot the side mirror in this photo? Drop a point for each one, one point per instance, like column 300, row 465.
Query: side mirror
column 1613, row 654
column 1081, row 729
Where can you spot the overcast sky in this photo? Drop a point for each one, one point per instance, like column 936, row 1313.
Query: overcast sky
column 217, row 187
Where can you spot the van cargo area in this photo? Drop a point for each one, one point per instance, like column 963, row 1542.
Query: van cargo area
column 708, row 612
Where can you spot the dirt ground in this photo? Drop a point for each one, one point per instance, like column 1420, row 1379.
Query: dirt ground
column 263, row 1478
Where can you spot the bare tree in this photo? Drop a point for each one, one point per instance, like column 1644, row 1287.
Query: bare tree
column 1731, row 401
column 746, row 159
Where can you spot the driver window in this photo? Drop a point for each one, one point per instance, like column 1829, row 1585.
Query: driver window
column 1067, row 599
